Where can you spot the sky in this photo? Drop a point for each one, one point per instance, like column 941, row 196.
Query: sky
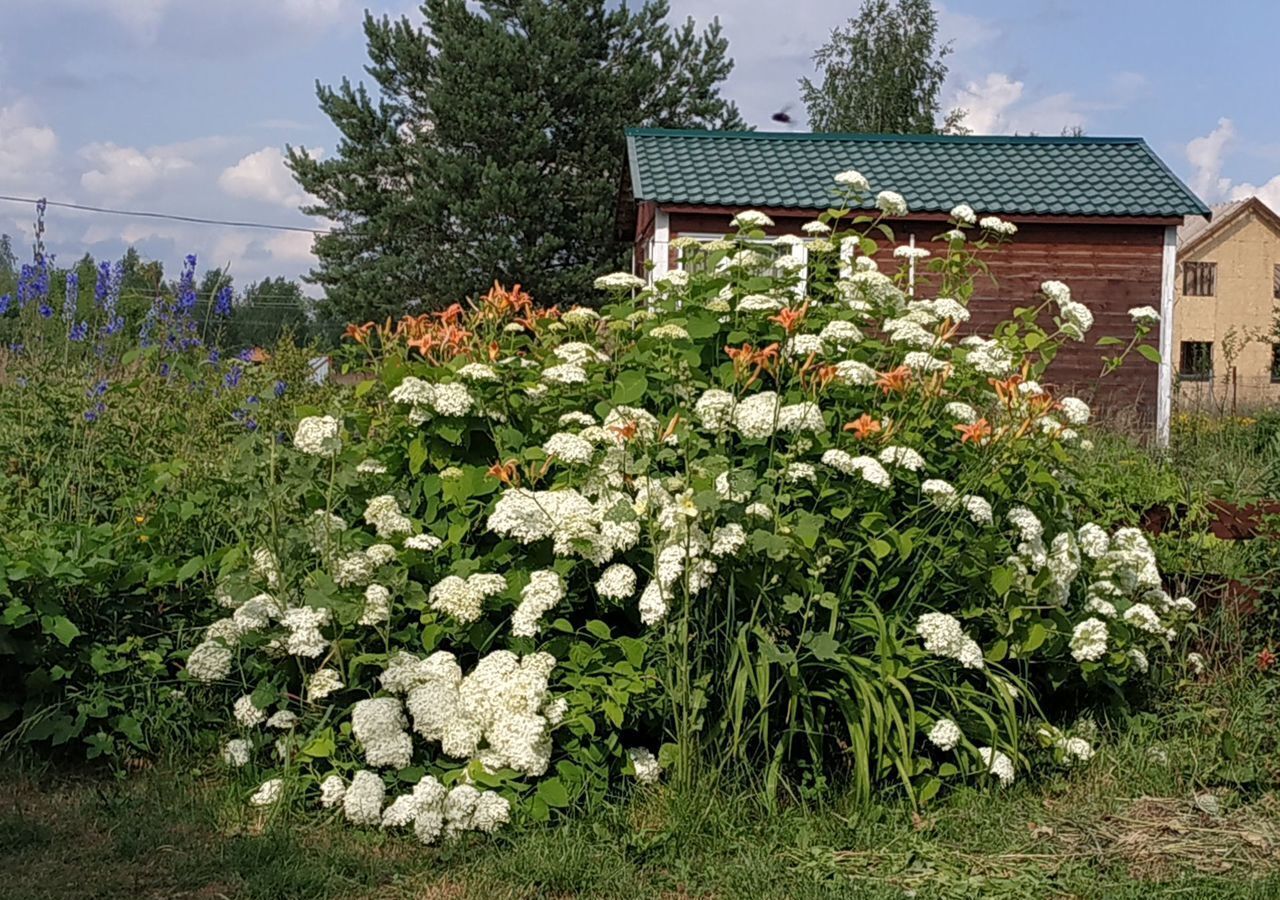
column 185, row 106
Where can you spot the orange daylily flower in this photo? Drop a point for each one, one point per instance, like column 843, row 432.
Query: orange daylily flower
column 359, row 333
column 895, row 381
column 504, row 472
column 626, row 432
column 863, row 427
column 790, row 319
column 977, row 432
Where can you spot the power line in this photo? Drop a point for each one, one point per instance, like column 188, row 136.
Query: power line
column 141, row 214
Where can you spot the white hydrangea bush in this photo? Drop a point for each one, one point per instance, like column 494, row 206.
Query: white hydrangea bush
column 792, row 516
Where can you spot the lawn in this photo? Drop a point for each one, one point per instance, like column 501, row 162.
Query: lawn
column 1180, row 802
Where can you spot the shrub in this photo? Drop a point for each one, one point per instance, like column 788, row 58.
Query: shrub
column 116, row 435
column 789, row 522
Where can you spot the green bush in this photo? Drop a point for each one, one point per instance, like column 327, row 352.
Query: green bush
column 774, row 516
column 117, row 449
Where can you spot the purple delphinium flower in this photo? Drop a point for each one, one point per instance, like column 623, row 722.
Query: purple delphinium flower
column 79, row 331
column 185, row 299
column 72, row 297
column 245, row 355
column 232, row 378
column 280, row 388
column 6, row 300
column 222, row 302
column 215, row 356
column 45, row 310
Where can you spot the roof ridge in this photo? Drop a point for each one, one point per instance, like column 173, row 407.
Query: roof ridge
column 837, row 136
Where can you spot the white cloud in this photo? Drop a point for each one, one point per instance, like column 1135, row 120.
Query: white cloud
column 987, row 103
column 1206, row 154
column 262, row 175
column 27, row 147
column 292, row 246
column 122, row 173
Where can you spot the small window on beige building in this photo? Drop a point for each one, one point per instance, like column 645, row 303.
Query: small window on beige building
column 1199, row 279
column 1275, row 281
column 1196, row 361
column 1275, row 363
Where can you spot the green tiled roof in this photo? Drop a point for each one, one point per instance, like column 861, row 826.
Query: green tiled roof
column 1053, row 176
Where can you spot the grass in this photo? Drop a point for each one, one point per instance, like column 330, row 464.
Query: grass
column 1180, row 803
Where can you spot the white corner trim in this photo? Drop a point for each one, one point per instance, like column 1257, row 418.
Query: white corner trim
column 661, row 245
column 1164, row 388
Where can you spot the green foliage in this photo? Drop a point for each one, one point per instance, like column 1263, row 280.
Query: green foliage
column 492, row 148
column 807, row 498
column 881, row 73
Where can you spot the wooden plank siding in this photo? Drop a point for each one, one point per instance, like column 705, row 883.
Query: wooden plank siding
column 1110, row 267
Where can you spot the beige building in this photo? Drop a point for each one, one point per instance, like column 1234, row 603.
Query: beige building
column 1226, row 351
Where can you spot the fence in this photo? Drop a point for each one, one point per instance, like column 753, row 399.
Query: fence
column 1230, row 393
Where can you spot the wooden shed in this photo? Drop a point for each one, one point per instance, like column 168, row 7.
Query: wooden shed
column 1099, row 213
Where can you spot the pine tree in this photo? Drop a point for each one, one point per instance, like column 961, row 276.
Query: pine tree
column 881, row 73
column 494, row 147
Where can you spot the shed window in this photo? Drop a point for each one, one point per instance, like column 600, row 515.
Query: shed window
column 1275, row 281
column 697, row 262
column 1196, row 362
column 1199, row 279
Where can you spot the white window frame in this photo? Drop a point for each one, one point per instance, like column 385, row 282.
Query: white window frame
column 801, row 250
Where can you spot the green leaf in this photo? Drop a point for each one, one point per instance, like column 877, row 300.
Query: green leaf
column 824, row 647
column 1109, row 342
column 1001, row 580
column 321, row 746
column 191, row 567
column 630, row 387
column 880, row 548
column 1035, row 637
column 1149, row 353
column 551, row 791
column 599, row 629
column 63, row 629
column 417, row 455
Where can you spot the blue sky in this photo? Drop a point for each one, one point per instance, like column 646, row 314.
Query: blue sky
column 184, row 105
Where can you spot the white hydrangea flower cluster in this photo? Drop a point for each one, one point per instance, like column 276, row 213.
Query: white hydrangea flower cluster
column 988, row 357
column 645, row 764
column 868, row 467
column 303, row 624
column 945, row 734
column 1089, row 640
column 377, row 605
column 384, row 514
column 379, row 725
column 463, row 598
column 618, row 582
column 619, row 281
column 943, row 635
column 902, row 458
column 544, row 590
column 998, row 764
column 570, row 448
column 750, row 218
column 318, row 436
column 209, row 661
column 425, row 398
column 500, row 713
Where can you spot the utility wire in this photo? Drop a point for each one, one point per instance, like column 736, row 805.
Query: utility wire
column 141, row 214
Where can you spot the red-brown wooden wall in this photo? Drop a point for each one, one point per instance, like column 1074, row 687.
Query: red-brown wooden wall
column 1109, row 267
